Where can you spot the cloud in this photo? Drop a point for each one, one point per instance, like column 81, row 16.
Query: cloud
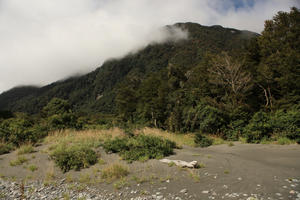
column 46, row 40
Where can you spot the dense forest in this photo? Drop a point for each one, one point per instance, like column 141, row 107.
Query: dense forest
column 220, row 81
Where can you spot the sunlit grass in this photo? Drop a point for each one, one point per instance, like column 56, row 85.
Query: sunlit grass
column 25, row 149
column 92, row 138
column 179, row 139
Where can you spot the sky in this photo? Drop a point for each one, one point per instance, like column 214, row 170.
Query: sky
column 42, row 41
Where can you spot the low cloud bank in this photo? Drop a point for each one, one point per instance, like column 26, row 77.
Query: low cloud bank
column 46, row 40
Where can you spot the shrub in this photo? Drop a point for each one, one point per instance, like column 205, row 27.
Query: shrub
column 205, row 118
column 22, row 130
column 202, row 141
column 258, row 128
column 140, row 147
column 5, row 148
column 117, row 145
column 286, row 123
column 73, row 157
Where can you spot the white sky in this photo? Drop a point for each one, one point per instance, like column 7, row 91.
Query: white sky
column 42, row 41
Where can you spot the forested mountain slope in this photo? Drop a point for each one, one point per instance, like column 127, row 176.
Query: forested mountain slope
column 96, row 91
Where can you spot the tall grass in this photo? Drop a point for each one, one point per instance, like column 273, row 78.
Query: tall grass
column 91, row 138
column 179, row 139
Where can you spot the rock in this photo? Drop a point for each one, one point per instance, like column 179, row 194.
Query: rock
column 205, row 191
column 183, row 191
column 252, row 198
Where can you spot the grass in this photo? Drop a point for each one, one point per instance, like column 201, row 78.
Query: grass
column 285, row 141
column 5, row 148
column 171, row 164
column 91, row 138
column 243, row 140
column 114, row 171
column 121, row 183
column 85, row 178
column 194, row 175
column 200, row 165
column 230, row 144
column 278, row 140
column 32, row 168
column 101, row 161
column 19, row 161
column 179, row 139
column 226, row 172
column 25, row 149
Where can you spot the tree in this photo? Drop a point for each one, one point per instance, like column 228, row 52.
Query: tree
column 59, row 115
column 230, row 75
column 126, row 101
column 278, row 73
column 56, row 106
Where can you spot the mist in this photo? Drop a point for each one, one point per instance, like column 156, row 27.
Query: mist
column 47, row 40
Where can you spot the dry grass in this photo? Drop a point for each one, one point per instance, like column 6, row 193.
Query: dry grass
column 91, row 137
column 25, row 149
column 179, row 139
column 114, row 171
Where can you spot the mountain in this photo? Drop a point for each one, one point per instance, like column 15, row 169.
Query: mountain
column 96, row 91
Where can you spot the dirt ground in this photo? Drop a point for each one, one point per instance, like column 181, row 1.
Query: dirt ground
column 227, row 172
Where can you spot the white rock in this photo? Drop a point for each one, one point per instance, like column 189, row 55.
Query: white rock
column 183, row 191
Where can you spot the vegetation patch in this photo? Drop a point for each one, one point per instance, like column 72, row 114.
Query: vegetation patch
column 140, row 147
column 32, row 168
column 179, row 139
column 19, row 161
column 25, row 149
column 114, row 171
column 5, row 148
column 75, row 157
column 202, row 140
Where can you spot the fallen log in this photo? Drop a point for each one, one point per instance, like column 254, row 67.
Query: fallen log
column 181, row 163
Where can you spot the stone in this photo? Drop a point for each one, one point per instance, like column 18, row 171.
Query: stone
column 183, row 191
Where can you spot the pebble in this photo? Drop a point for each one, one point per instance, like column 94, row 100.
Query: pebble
column 37, row 191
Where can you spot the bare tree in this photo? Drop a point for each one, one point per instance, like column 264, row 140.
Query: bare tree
column 229, row 74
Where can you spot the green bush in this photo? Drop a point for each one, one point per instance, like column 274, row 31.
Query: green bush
column 239, row 119
column 286, row 123
column 5, row 148
column 258, row 128
column 140, row 147
column 202, row 141
column 62, row 121
column 204, row 118
column 116, row 145
column 18, row 131
column 73, row 157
